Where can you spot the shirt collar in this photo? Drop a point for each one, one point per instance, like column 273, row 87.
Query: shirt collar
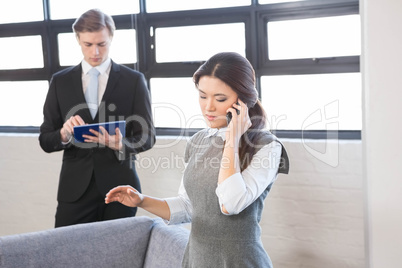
column 101, row 68
column 221, row 132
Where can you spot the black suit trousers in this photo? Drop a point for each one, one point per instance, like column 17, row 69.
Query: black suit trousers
column 91, row 207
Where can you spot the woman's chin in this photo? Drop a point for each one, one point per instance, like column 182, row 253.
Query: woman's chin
column 216, row 123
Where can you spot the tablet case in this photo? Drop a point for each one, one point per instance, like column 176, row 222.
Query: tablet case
column 109, row 126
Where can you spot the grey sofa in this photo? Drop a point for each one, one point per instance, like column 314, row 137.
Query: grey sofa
column 141, row 242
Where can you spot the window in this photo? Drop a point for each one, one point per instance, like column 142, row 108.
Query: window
column 311, row 65
column 172, row 111
column 306, row 55
column 21, row 52
column 314, row 38
column 197, row 43
column 24, row 101
column 313, row 102
column 175, row 5
column 21, row 11
column 72, row 9
column 123, row 49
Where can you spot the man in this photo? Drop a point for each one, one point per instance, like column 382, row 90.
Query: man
column 90, row 169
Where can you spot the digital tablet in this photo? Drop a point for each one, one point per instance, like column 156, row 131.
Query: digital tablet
column 109, row 126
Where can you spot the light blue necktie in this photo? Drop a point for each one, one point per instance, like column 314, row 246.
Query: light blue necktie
column 91, row 94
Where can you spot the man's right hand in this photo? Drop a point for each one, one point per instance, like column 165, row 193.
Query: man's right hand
column 67, row 130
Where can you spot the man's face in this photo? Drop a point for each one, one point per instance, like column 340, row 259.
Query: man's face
column 95, row 46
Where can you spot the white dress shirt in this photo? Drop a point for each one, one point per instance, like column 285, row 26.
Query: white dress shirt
column 104, row 71
column 239, row 190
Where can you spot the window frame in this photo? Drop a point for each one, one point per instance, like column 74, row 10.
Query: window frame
column 301, row 10
column 255, row 18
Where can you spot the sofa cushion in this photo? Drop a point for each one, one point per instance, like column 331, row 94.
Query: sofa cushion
column 166, row 246
column 115, row 243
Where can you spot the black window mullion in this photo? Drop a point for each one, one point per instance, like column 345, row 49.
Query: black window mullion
column 348, row 64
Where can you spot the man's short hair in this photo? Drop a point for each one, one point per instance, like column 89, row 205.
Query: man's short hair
column 93, row 20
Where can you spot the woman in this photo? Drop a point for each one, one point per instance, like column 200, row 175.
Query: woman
column 231, row 167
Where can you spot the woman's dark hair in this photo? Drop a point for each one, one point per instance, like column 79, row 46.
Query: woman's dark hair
column 237, row 72
column 93, row 20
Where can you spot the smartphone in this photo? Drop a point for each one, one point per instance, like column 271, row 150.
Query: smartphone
column 229, row 114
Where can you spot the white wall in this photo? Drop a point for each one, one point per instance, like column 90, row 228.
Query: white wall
column 382, row 143
column 313, row 216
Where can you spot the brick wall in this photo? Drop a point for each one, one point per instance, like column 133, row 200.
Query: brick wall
column 313, row 217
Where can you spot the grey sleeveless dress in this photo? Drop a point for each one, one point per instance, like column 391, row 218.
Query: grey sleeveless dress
column 218, row 240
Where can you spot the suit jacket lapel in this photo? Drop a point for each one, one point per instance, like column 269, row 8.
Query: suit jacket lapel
column 77, row 82
column 76, row 77
column 110, row 87
column 111, row 83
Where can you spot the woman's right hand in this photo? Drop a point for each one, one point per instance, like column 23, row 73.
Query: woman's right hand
column 127, row 195
column 239, row 124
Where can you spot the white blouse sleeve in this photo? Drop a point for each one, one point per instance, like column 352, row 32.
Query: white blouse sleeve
column 241, row 189
column 180, row 207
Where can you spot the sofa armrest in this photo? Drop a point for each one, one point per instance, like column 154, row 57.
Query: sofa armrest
column 166, row 246
column 115, row 243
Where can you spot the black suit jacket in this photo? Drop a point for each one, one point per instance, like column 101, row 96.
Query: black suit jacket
column 126, row 98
